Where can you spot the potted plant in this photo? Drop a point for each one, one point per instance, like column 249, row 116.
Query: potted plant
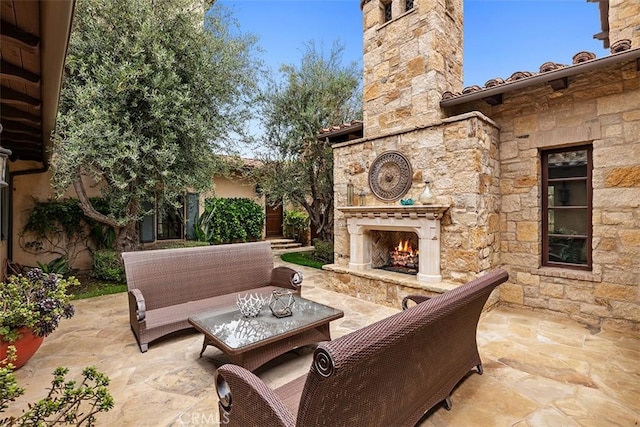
column 32, row 305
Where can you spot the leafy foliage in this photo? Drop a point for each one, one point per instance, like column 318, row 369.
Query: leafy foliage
column 148, row 89
column 298, row 167
column 9, row 388
column 323, row 250
column 296, row 225
column 34, row 300
column 108, row 265
column 60, row 227
column 66, row 403
column 230, row 220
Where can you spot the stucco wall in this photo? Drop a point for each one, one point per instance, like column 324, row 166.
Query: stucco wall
column 25, row 188
column 602, row 108
column 236, row 187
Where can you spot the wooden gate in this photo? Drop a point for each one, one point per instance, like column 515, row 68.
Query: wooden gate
column 274, row 221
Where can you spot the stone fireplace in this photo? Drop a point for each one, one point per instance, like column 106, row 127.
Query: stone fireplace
column 369, row 242
column 417, row 171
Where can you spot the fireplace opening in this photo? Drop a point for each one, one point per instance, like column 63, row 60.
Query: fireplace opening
column 395, row 251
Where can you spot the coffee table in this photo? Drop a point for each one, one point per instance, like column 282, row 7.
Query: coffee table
column 252, row 342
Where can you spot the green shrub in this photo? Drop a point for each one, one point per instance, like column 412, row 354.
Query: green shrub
column 323, row 250
column 230, row 220
column 296, row 225
column 108, row 265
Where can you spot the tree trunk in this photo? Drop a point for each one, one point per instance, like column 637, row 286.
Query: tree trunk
column 127, row 235
column 127, row 238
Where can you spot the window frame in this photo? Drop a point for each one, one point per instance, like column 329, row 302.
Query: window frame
column 408, row 5
column 544, row 187
column 387, row 5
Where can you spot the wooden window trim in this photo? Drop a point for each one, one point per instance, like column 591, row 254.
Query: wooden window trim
column 544, row 154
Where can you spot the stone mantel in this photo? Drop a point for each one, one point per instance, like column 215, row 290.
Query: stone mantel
column 424, row 220
column 402, row 211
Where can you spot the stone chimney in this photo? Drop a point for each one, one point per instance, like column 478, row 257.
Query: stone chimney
column 412, row 54
column 624, row 21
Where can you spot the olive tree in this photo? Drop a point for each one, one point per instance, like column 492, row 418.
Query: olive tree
column 298, row 166
column 151, row 89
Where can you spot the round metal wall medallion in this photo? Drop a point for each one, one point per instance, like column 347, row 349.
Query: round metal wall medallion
column 390, row 176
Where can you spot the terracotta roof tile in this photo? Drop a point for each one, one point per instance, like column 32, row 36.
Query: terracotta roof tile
column 470, row 89
column 519, row 75
column 620, row 46
column 583, row 56
column 578, row 58
column 550, row 66
column 334, row 128
column 494, row 82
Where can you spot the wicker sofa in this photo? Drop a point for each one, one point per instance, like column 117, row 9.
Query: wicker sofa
column 166, row 286
column 389, row 373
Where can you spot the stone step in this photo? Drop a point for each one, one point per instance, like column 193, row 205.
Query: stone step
column 286, row 245
column 280, row 241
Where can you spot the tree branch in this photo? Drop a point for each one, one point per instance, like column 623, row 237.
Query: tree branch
column 86, row 205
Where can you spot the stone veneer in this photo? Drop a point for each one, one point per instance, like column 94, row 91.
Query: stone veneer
column 624, row 21
column 602, row 108
column 460, row 156
column 409, row 62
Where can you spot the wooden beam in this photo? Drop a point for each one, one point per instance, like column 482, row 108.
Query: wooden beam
column 11, row 126
column 13, row 72
column 602, row 35
column 11, row 96
column 493, row 100
column 10, row 113
column 23, row 140
column 558, row 84
column 10, row 34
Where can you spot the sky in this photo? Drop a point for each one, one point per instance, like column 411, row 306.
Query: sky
column 500, row 36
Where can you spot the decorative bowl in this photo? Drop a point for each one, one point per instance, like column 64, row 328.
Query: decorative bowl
column 250, row 304
column 406, row 202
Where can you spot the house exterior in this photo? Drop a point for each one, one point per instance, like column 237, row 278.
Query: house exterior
column 538, row 173
column 35, row 36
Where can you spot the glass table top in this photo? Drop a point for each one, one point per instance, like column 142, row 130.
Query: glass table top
column 236, row 331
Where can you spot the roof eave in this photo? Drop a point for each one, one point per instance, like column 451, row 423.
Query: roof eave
column 55, row 29
column 342, row 131
column 560, row 73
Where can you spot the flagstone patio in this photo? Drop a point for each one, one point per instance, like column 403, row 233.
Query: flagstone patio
column 540, row 370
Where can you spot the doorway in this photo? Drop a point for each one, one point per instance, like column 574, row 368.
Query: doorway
column 274, row 221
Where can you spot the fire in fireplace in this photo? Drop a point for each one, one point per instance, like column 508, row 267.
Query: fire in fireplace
column 404, row 256
column 395, row 251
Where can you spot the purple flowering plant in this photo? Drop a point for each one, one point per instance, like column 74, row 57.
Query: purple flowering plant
column 34, row 300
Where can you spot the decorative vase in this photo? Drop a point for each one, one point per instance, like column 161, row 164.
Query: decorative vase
column 26, row 346
column 426, row 198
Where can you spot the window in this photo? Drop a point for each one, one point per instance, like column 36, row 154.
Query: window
column 170, row 222
column 387, row 15
column 566, row 207
column 408, row 5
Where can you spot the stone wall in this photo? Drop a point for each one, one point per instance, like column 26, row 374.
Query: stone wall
column 624, row 21
column 460, row 157
column 602, row 108
column 409, row 62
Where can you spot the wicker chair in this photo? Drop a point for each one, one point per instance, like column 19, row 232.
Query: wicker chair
column 167, row 286
column 389, row 373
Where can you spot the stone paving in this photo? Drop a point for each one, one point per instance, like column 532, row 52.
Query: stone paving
column 540, row 370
